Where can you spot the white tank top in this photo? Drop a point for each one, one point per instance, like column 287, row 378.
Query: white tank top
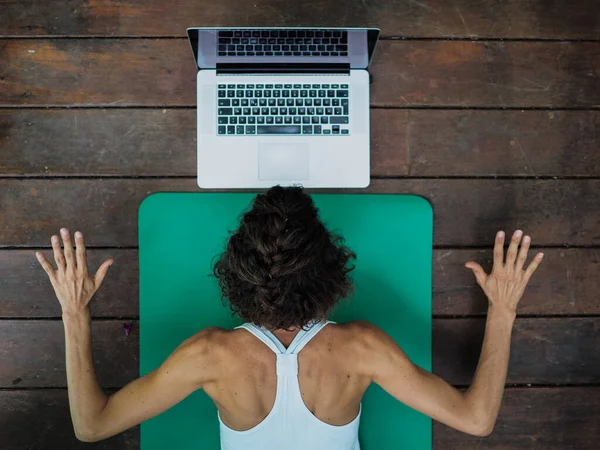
column 290, row 424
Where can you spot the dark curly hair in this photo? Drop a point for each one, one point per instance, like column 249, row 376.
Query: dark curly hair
column 282, row 268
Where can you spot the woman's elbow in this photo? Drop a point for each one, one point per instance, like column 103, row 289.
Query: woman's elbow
column 86, row 435
column 481, row 428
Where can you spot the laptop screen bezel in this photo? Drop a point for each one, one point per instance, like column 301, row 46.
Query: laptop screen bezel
column 354, row 61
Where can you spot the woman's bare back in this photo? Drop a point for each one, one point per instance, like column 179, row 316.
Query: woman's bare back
column 331, row 377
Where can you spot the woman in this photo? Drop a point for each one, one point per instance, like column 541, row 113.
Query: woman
column 288, row 376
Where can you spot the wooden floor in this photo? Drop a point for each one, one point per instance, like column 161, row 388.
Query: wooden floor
column 489, row 109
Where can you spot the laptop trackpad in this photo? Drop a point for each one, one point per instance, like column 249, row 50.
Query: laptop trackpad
column 283, row 161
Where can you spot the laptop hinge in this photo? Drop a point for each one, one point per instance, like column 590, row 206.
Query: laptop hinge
column 271, row 68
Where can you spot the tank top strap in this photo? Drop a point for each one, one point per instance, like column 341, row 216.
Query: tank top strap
column 304, row 336
column 268, row 338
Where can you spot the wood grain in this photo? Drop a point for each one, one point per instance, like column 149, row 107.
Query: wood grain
column 41, row 420
column 544, row 351
column 565, row 284
column 162, row 142
column 123, row 72
column 462, row 18
column 467, row 212
column 33, row 353
column 536, row 419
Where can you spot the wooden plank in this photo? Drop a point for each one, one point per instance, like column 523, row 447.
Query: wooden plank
column 505, row 143
column 467, row 212
column 26, row 291
column 536, row 419
column 41, row 419
column 565, row 284
column 463, row 18
column 117, row 72
column 544, row 351
column 33, row 353
column 545, row 419
column 162, row 142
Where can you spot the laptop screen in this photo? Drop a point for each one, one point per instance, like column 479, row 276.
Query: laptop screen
column 351, row 46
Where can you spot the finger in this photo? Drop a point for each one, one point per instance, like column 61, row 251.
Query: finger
column 45, row 264
column 499, row 250
column 80, row 253
column 101, row 273
column 69, row 255
column 511, row 254
column 478, row 271
column 523, row 254
column 533, row 266
column 59, row 257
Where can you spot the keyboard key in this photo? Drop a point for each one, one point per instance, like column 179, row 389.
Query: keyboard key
column 230, row 129
column 306, row 129
column 335, row 86
column 221, row 94
column 330, row 93
column 270, row 119
column 235, row 102
column 345, row 131
column 221, row 86
column 338, row 119
column 305, row 119
column 237, row 111
column 278, row 119
column 344, row 86
column 239, row 129
column 242, row 120
column 315, row 119
column 297, row 119
column 324, row 119
column 278, row 129
column 345, row 107
column 250, row 129
column 317, row 129
column 326, row 131
column 337, row 111
column 287, row 119
column 264, row 111
column 251, row 120
column 222, row 129
column 262, row 102
column 233, row 120
column 246, row 111
column 272, row 102
column 281, row 102
column 335, row 129
column 223, row 120
column 230, row 94
column 224, row 111
column 341, row 93
column 224, row 102
column 308, row 102
column 253, row 102
column 260, row 119
column 289, row 102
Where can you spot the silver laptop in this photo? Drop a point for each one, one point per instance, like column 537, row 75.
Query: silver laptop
column 283, row 106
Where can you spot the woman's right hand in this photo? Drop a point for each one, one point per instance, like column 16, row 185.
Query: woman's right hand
column 504, row 287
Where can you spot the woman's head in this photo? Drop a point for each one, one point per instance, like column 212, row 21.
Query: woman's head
column 282, row 268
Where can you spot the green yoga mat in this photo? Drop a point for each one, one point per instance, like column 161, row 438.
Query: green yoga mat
column 180, row 233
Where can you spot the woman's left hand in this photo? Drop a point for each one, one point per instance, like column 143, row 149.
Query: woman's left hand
column 73, row 286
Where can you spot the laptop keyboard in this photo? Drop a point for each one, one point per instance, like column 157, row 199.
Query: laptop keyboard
column 282, row 43
column 321, row 109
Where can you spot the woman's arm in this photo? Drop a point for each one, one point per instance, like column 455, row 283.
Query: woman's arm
column 474, row 411
column 96, row 416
